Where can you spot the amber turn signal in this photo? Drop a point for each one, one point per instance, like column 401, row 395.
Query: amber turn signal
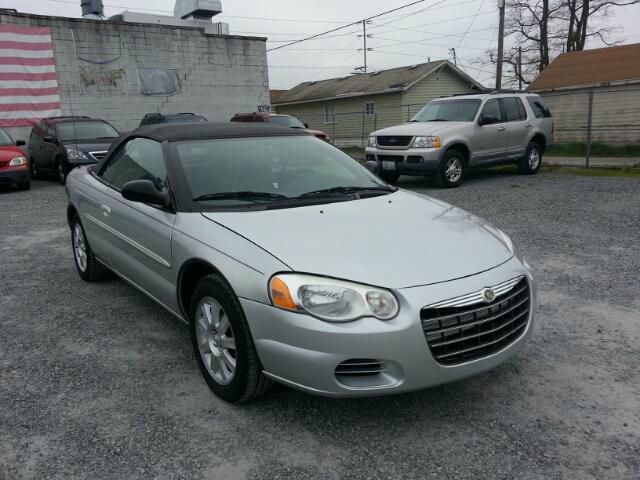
column 280, row 295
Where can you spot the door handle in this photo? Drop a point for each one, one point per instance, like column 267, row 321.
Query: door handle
column 501, row 129
column 105, row 210
column 528, row 125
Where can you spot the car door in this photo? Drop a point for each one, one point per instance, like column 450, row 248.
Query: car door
column 34, row 143
column 490, row 140
column 47, row 149
column 138, row 235
column 518, row 126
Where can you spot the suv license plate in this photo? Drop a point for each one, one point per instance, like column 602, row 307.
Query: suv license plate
column 388, row 165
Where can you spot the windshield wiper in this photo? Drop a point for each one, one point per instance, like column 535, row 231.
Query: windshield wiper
column 248, row 195
column 325, row 192
column 438, row 120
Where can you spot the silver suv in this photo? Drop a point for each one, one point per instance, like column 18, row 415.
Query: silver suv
column 450, row 135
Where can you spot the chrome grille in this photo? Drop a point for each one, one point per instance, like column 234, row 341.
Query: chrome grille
column 98, row 155
column 460, row 330
column 394, row 141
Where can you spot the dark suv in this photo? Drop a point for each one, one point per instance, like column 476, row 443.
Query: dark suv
column 155, row 118
column 58, row 144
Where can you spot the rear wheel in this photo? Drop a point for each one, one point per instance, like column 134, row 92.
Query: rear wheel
column 61, row 171
column 223, row 344
column 35, row 173
column 451, row 170
column 88, row 267
column 532, row 160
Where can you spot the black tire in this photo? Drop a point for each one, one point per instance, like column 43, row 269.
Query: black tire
column 248, row 382
column 389, row 177
column 446, row 178
column 93, row 271
column 532, row 161
column 35, row 173
column 61, row 171
column 24, row 186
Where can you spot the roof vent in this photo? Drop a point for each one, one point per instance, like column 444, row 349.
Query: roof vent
column 92, row 9
column 398, row 85
column 197, row 9
column 378, row 72
column 313, row 83
column 412, row 67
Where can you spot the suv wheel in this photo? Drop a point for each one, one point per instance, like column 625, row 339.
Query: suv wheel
column 451, row 170
column 222, row 342
column 61, row 172
column 532, row 160
column 35, row 173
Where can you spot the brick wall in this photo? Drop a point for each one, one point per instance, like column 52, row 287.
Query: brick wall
column 97, row 66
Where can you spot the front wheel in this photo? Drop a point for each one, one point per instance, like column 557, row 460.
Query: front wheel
column 61, row 172
column 88, row 267
column 35, row 173
column 222, row 342
column 532, row 160
column 24, row 186
column 451, row 170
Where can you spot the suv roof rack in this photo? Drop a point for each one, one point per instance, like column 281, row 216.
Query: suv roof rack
column 67, row 117
column 505, row 90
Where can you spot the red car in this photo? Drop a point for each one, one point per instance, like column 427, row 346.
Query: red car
column 14, row 166
column 277, row 119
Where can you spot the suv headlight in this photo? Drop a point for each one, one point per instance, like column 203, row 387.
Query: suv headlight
column 372, row 141
column 329, row 299
column 17, row 161
column 75, row 154
column 426, row 142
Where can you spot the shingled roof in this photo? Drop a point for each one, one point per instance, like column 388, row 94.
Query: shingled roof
column 599, row 66
column 384, row 81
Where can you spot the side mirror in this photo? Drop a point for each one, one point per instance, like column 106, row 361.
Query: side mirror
column 487, row 120
column 145, row 191
column 20, row 143
column 47, row 139
column 372, row 166
column 306, row 125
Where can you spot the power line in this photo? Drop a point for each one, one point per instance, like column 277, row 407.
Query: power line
column 354, row 23
column 471, row 23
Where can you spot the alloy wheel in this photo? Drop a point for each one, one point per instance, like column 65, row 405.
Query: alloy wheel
column 216, row 341
column 61, row 174
column 79, row 248
column 453, row 170
column 534, row 159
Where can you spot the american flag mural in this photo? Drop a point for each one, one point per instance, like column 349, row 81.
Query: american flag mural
column 28, row 84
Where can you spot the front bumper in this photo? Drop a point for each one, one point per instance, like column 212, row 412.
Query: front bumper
column 303, row 352
column 413, row 161
column 10, row 177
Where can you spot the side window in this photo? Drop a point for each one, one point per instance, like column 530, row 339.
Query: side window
column 370, row 108
column 513, row 109
column 492, row 109
column 139, row 159
column 539, row 108
column 35, row 132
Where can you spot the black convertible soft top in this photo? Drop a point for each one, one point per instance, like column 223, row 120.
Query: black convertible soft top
column 202, row 131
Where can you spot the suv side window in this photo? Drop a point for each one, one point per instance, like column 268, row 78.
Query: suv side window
column 540, row 110
column 492, row 109
column 138, row 159
column 36, row 132
column 513, row 109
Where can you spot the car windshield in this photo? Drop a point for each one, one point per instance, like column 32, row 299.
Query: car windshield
column 5, row 139
column 241, row 171
column 85, row 131
column 186, row 119
column 291, row 122
column 463, row 110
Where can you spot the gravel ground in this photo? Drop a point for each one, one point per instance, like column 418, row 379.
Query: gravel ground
column 98, row 382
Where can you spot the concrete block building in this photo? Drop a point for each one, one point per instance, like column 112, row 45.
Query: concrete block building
column 125, row 67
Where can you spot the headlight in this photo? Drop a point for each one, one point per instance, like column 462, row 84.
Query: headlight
column 372, row 141
column 75, row 154
column 17, row 161
column 331, row 300
column 426, row 142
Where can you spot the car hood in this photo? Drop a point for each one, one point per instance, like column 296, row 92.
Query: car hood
column 418, row 128
column 395, row 241
column 7, row 152
column 95, row 145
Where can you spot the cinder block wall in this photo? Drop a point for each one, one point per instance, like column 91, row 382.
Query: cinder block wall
column 97, row 66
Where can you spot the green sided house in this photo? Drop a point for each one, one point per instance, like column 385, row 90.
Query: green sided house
column 351, row 107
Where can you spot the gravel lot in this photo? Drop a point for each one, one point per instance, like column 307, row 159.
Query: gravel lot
column 98, row 382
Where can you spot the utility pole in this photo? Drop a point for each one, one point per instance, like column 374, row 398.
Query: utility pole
column 520, row 68
column 365, row 49
column 452, row 51
column 500, row 46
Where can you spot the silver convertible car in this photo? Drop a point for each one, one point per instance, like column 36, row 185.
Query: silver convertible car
column 293, row 263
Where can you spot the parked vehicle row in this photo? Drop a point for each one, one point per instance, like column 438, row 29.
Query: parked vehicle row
column 14, row 165
column 449, row 136
column 270, row 271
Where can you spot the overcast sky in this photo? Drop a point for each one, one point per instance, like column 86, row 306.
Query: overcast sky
column 412, row 35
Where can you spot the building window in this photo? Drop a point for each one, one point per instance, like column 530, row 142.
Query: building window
column 331, row 114
column 370, row 108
